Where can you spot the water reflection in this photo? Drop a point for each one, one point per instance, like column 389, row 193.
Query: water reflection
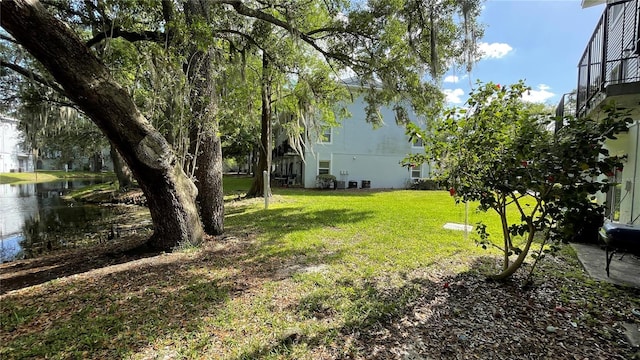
column 35, row 219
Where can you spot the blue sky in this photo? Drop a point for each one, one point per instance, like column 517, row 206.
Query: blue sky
column 539, row 41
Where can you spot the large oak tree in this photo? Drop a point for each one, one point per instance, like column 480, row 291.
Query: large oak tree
column 86, row 81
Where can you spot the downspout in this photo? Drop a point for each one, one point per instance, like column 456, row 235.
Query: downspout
column 635, row 172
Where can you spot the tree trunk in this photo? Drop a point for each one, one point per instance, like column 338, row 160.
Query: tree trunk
column 120, row 168
column 170, row 194
column 253, row 165
column 264, row 151
column 205, row 143
column 517, row 263
column 96, row 162
column 208, row 174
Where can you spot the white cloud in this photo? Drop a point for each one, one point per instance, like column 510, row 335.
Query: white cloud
column 453, row 95
column 538, row 96
column 454, row 78
column 494, row 50
column 451, row 79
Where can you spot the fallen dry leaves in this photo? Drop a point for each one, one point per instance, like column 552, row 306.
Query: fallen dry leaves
column 465, row 316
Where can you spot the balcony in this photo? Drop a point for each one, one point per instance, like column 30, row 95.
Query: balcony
column 566, row 107
column 610, row 66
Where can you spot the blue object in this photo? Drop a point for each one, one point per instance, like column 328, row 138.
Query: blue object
column 619, row 237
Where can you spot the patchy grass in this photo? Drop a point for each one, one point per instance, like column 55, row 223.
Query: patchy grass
column 46, row 176
column 369, row 232
column 319, row 275
column 88, row 192
column 235, row 187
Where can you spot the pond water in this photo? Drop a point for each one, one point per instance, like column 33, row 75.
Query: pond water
column 34, row 219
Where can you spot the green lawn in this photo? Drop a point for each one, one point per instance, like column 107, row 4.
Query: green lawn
column 377, row 231
column 318, row 251
column 47, row 175
column 296, row 281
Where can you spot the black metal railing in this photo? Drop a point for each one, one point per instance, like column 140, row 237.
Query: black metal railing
column 566, row 107
column 612, row 55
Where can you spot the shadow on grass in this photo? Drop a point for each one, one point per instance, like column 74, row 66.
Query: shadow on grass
column 177, row 304
column 275, row 224
column 365, row 306
column 7, row 179
column 23, row 273
column 119, row 310
column 109, row 315
column 464, row 315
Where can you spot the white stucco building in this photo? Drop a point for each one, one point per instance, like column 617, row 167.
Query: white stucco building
column 14, row 157
column 355, row 152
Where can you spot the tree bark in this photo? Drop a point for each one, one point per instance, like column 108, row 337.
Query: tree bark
column 85, row 79
column 120, row 168
column 208, row 174
column 264, row 151
column 517, row 263
column 205, row 142
column 96, row 162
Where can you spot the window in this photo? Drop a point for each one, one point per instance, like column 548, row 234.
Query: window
column 324, row 167
column 417, row 143
column 325, row 137
column 416, row 171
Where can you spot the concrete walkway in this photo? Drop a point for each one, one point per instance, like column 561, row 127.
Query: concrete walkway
column 624, row 270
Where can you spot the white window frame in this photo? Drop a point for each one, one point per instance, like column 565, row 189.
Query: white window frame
column 322, row 139
column 418, row 169
column 327, row 169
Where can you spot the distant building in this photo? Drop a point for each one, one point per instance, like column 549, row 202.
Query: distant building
column 14, row 156
column 355, row 152
column 54, row 160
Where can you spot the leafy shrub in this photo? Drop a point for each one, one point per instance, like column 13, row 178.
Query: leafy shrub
column 498, row 151
column 426, row 184
column 324, row 181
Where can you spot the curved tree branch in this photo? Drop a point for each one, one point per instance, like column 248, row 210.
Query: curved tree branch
column 245, row 36
column 33, row 76
column 242, row 9
column 273, row 61
column 132, row 36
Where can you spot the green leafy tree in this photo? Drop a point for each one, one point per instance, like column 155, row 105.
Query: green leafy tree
column 89, row 84
column 498, row 151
